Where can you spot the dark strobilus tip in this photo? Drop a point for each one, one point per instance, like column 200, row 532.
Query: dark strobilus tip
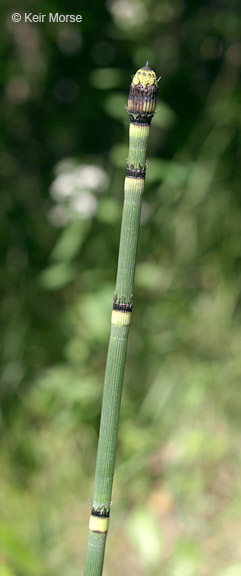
column 143, row 94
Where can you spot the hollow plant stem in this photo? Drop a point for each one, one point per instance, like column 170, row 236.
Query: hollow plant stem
column 141, row 107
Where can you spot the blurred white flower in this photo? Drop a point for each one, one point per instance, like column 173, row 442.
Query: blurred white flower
column 128, row 13
column 73, row 189
column 63, row 187
column 92, row 177
column 84, row 205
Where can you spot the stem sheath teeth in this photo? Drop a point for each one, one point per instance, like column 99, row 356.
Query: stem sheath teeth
column 120, row 304
column 132, row 172
column 100, row 512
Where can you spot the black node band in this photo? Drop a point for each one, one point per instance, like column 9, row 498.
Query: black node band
column 121, row 306
column 132, row 172
column 100, row 513
column 140, row 119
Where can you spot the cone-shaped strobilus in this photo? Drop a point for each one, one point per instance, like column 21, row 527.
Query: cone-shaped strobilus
column 141, row 108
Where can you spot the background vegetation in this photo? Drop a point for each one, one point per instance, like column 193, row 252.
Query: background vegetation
column 64, row 138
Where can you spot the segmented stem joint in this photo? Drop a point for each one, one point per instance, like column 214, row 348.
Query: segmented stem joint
column 141, row 108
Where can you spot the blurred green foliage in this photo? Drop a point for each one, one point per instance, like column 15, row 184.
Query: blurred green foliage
column 64, row 141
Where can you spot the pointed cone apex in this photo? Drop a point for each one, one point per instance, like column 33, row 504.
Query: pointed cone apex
column 147, row 66
column 143, row 91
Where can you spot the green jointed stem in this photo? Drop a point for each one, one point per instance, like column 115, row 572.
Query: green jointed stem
column 141, row 107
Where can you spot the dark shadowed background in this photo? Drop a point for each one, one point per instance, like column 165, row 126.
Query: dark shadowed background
column 64, row 141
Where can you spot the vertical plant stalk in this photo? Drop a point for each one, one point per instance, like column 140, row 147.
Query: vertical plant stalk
column 141, row 108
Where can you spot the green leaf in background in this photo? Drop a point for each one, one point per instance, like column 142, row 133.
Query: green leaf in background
column 146, row 537
column 70, row 241
column 118, row 155
column 115, row 107
column 6, row 571
column 109, row 211
column 95, row 313
column 165, row 117
column 57, row 276
column 187, row 559
column 107, row 78
column 18, row 552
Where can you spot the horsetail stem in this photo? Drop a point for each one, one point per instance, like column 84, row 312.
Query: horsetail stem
column 141, row 108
